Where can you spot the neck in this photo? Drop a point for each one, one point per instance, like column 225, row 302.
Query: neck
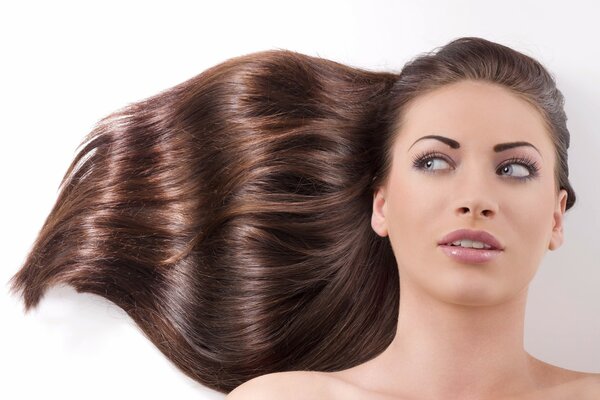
column 451, row 351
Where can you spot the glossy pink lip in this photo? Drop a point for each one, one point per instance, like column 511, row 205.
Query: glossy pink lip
column 471, row 256
column 480, row 236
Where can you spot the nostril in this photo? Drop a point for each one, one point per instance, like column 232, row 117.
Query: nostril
column 467, row 210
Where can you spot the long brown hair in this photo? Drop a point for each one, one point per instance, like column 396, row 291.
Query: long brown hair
column 230, row 215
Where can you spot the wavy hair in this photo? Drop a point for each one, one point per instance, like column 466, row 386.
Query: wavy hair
column 229, row 216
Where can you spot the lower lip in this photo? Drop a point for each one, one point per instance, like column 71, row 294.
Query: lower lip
column 470, row 255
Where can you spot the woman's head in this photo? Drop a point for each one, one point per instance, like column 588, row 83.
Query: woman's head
column 477, row 98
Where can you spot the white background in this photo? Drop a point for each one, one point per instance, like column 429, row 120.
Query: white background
column 67, row 64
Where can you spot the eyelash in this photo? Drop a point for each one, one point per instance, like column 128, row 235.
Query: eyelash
column 528, row 163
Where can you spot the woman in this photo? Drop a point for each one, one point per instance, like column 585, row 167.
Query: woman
column 256, row 219
column 477, row 165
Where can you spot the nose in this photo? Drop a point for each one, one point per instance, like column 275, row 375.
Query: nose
column 477, row 207
column 477, row 199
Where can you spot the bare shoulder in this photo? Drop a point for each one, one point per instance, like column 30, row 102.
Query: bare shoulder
column 292, row 385
column 581, row 386
column 590, row 387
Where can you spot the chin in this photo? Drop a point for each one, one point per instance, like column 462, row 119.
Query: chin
column 475, row 293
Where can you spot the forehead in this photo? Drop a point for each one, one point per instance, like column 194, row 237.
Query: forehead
column 474, row 112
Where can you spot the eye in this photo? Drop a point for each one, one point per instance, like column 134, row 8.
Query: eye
column 521, row 170
column 430, row 162
column 525, row 168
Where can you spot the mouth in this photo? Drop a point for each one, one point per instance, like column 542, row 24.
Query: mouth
column 468, row 238
column 471, row 246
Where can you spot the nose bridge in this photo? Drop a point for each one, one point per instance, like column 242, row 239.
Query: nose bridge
column 476, row 196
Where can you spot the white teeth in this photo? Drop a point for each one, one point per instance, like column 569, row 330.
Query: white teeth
column 471, row 243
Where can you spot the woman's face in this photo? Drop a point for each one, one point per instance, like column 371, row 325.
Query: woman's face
column 470, row 184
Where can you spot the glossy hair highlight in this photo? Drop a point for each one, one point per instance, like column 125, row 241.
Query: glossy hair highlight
column 229, row 217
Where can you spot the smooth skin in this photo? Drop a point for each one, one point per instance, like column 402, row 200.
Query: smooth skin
column 461, row 326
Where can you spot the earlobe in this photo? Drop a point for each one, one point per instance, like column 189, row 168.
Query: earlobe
column 378, row 222
column 558, row 226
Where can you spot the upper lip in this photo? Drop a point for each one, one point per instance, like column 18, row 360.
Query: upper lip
column 480, row 236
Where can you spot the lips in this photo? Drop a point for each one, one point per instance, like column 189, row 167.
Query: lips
column 480, row 236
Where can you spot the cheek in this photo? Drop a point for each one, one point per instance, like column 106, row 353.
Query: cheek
column 527, row 224
column 530, row 213
column 533, row 227
column 412, row 214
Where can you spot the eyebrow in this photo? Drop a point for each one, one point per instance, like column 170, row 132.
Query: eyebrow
column 497, row 148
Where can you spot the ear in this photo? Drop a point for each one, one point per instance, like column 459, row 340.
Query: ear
column 557, row 237
column 378, row 221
